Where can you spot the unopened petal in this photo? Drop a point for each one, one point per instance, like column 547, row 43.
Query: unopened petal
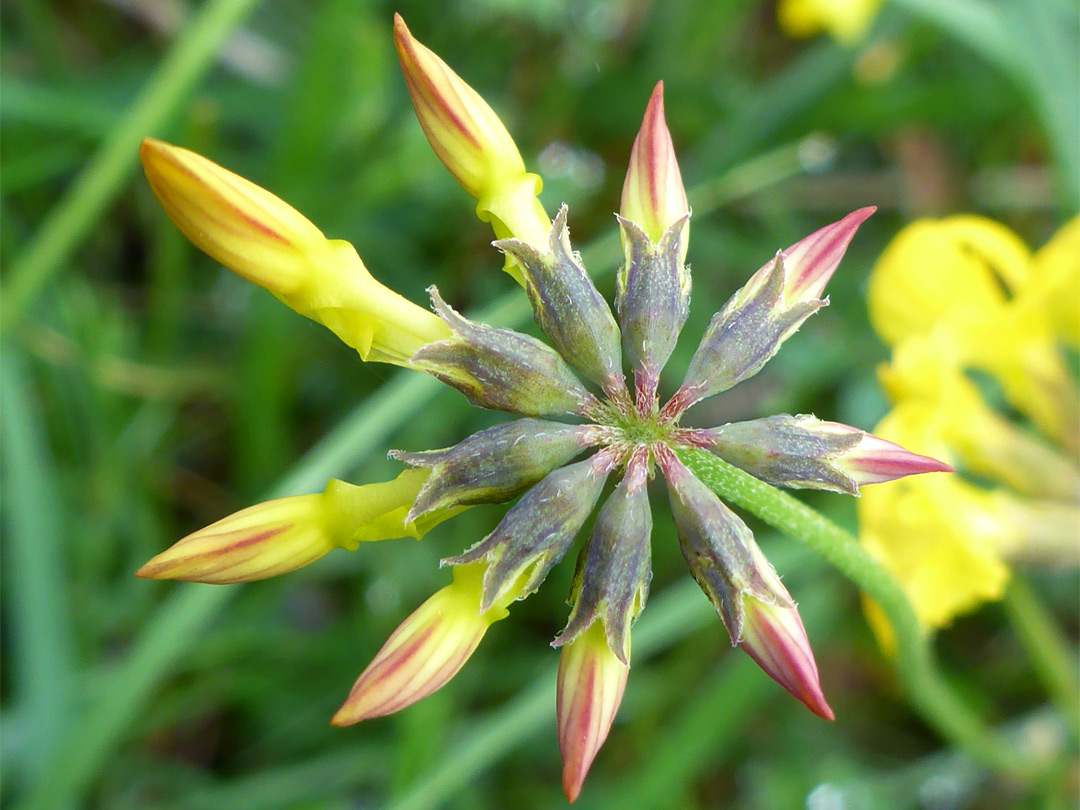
column 773, row 635
column 811, row 261
column 472, row 143
column 591, row 683
column 425, row 652
column 653, row 196
column 255, row 543
column 261, row 238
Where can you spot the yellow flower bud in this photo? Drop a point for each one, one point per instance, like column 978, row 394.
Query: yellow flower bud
column 473, row 144
column 288, row 533
column 261, row 238
column 426, row 651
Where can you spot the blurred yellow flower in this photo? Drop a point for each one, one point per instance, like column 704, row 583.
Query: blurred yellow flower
column 845, row 20
column 955, row 296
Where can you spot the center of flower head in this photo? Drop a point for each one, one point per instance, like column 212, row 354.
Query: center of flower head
column 630, row 427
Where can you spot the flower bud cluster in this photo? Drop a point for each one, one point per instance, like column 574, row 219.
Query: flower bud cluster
column 559, row 469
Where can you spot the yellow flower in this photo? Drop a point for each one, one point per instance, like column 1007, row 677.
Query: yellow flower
column 955, row 296
column 845, row 20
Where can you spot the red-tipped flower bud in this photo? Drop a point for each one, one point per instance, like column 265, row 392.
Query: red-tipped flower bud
column 425, row 652
column 590, row 687
column 774, row 637
column 653, row 197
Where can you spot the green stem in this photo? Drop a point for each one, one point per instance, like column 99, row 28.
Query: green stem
column 87, row 199
column 1052, row 659
column 929, row 692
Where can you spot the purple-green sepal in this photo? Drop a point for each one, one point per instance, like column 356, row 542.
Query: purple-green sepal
column 501, row 369
column 787, row 451
column 744, row 335
column 614, row 570
column 568, row 307
column 536, row 533
column 496, row 464
column 652, row 295
column 718, row 547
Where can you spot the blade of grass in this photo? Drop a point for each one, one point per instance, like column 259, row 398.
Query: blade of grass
column 328, row 775
column 183, row 615
column 190, row 56
column 43, row 655
column 1052, row 657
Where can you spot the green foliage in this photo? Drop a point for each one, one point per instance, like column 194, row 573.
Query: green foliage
column 147, row 393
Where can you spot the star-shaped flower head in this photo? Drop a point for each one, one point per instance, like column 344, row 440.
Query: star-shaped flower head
column 578, row 426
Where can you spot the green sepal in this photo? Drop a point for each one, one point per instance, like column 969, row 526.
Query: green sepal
column 496, row 464
column 501, row 369
column 535, row 534
column 568, row 307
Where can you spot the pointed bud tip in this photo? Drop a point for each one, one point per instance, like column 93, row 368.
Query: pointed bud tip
column 875, row 461
column 811, row 261
column 653, row 196
column 773, row 635
column 591, row 683
column 654, row 110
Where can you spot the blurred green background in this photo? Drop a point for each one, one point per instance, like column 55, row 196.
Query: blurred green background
column 147, row 392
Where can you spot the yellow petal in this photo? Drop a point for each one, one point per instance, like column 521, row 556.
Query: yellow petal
column 940, row 536
column 263, row 239
column 1056, row 284
column 927, row 270
column 1003, row 252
